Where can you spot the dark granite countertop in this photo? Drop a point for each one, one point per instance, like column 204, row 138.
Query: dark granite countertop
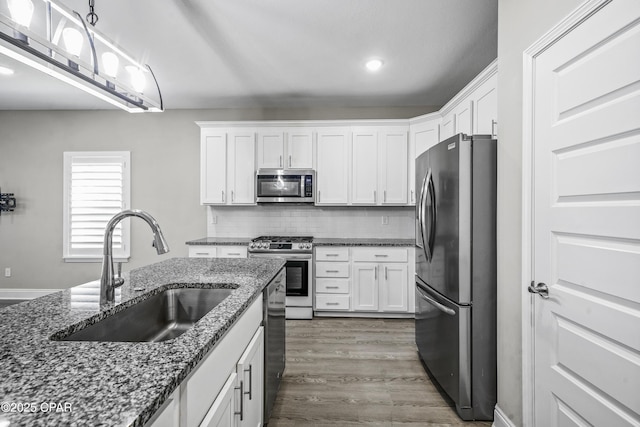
column 363, row 242
column 114, row 383
column 221, row 241
column 238, row 241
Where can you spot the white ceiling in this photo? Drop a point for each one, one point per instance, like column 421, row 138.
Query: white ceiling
column 284, row 53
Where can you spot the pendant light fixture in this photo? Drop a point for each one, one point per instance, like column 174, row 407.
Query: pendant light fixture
column 51, row 38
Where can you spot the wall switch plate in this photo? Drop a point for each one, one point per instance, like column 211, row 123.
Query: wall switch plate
column 7, row 272
column 385, row 220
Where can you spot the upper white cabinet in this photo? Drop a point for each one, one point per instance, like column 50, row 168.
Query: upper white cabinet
column 474, row 110
column 380, row 166
column 485, row 111
column 424, row 134
column 290, row 148
column 227, row 167
column 333, row 165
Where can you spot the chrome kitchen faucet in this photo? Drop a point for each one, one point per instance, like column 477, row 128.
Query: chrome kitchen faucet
column 108, row 281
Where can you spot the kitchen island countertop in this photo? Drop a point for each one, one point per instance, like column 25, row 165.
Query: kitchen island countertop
column 51, row 383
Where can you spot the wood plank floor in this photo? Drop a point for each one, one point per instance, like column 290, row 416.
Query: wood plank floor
column 357, row 372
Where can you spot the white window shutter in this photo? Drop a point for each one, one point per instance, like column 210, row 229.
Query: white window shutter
column 96, row 187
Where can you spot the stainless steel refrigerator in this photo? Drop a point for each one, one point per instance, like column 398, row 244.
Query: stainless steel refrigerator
column 456, row 270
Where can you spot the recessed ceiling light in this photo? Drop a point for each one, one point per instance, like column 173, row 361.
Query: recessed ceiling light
column 4, row 71
column 374, row 64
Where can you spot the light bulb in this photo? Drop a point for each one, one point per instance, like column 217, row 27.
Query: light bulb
column 110, row 63
column 138, row 80
column 374, row 64
column 21, row 11
column 72, row 40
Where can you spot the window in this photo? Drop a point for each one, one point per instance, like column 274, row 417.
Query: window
column 96, row 187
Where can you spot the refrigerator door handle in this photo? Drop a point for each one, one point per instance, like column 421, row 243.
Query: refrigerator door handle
column 435, row 303
column 423, row 218
column 432, row 216
column 419, row 207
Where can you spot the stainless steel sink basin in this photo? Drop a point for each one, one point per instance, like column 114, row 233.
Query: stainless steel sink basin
column 161, row 317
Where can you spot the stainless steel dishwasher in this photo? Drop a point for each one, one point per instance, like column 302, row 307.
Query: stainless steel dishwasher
column 274, row 337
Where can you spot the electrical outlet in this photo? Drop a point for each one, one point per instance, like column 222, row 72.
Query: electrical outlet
column 214, row 219
column 7, row 272
column 385, row 220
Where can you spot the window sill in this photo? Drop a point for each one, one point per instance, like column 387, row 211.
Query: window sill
column 93, row 259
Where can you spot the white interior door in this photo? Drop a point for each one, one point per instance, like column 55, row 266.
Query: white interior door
column 586, row 223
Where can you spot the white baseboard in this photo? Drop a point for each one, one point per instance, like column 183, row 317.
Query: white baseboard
column 22, row 294
column 500, row 419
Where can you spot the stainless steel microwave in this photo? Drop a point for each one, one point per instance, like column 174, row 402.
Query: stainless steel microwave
column 285, row 186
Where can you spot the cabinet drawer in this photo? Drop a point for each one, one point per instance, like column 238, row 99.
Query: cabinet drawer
column 332, row 254
column 232, row 252
column 379, row 254
column 332, row 286
column 332, row 269
column 200, row 251
column 332, row 302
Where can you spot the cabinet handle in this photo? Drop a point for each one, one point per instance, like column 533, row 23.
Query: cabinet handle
column 202, row 253
column 241, row 413
column 222, row 196
column 333, row 303
column 375, row 272
column 250, row 381
column 280, row 161
column 234, row 253
column 385, row 273
column 384, row 196
column 494, row 123
column 381, row 255
column 332, row 287
column 233, row 196
column 318, row 196
column 374, row 196
column 289, row 160
column 412, row 196
column 332, row 254
column 333, row 271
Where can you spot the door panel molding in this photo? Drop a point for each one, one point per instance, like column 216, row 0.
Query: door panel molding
column 575, row 18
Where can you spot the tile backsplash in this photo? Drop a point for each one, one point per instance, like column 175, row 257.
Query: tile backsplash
column 299, row 220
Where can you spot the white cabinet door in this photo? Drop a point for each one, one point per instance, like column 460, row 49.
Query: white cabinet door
column 365, row 287
column 364, row 188
column 394, row 285
column 463, row 118
column 423, row 136
column 242, row 168
column 332, row 174
column 250, row 370
column 485, row 108
column 392, row 169
column 271, row 149
column 223, row 413
column 213, row 167
column 299, row 149
column 447, row 127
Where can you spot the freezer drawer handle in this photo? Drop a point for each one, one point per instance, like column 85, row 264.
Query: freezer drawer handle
column 435, row 303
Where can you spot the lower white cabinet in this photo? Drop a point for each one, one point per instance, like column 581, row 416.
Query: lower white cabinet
column 372, row 281
column 222, row 251
column 226, row 388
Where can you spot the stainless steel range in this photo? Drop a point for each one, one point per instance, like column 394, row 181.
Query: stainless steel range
column 298, row 253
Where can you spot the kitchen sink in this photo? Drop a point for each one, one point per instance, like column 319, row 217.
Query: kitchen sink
column 161, row 317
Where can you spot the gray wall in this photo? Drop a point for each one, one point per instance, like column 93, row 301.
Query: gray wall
column 165, row 180
column 520, row 23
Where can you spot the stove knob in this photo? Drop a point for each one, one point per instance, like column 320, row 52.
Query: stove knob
column 264, row 245
column 252, row 245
